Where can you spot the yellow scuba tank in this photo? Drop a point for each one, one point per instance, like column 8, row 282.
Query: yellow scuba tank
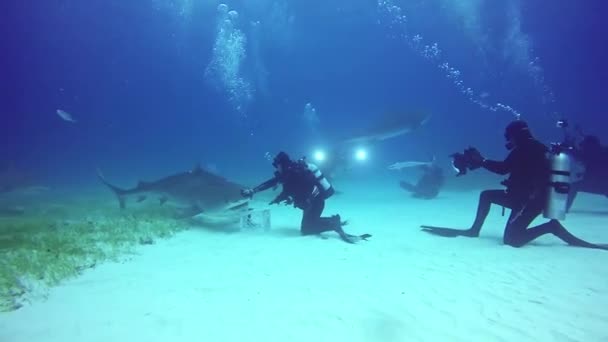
column 559, row 185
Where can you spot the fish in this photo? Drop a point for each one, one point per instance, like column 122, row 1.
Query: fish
column 65, row 115
column 231, row 215
column 429, row 185
column 410, row 164
column 390, row 126
column 198, row 188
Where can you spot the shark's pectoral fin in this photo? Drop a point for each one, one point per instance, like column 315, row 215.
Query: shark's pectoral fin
column 238, row 205
column 163, row 200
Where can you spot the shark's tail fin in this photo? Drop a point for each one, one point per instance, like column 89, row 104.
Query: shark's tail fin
column 116, row 190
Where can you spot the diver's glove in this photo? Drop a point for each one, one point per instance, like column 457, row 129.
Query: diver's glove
column 247, row 192
column 475, row 159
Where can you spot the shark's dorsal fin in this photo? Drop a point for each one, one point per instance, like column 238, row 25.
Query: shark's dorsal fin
column 197, row 168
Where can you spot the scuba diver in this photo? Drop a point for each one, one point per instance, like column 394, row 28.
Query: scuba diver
column 526, row 195
column 594, row 158
column 306, row 188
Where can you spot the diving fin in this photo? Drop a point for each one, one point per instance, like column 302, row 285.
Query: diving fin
column 360, row 237
column 448, row 232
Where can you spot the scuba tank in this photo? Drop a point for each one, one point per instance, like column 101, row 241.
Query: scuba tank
column 559, row 184
column 326, row 189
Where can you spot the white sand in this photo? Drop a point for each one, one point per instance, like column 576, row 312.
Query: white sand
column 403, row 285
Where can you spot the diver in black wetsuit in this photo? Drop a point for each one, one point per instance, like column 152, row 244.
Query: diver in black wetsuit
column 594, row 158
column 525, row 195
column 306, row 188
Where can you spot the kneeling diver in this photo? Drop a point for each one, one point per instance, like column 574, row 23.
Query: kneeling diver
column 306, row 188
column 526, row 194
column 594, row 158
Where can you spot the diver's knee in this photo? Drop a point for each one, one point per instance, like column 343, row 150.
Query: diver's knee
column 306, row 228
column 512, row 241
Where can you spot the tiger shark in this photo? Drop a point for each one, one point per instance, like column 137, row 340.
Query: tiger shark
column 200, row 189
column 390, row 126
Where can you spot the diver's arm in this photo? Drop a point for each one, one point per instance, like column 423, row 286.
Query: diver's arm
column 497, row 166
column 475, row 160
column 266, row 185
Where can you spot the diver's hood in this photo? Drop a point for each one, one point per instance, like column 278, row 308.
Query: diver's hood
column 282, row 159
column 516, row 132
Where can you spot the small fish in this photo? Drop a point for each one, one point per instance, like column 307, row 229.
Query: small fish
column 65, row 115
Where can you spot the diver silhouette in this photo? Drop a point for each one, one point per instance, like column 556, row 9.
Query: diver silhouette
column 526, row 194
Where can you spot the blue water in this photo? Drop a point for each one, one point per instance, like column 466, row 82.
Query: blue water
column 133, row 75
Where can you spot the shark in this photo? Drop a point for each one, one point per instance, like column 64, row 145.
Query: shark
column 340, row 153
column 201, row 190
column 411, row 164
column 13, row 179
column 429, row 185
column 390, row 126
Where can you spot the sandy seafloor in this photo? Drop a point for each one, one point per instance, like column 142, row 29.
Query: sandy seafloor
column 402, row 285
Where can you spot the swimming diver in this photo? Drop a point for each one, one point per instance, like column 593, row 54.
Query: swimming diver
column 526, row 194
column 594, row 158
column 306, row 188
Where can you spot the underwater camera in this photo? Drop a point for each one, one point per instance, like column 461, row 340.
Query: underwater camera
column 461, row 162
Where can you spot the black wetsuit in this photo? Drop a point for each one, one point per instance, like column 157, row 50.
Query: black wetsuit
column 301, row 188
column 525, row 195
